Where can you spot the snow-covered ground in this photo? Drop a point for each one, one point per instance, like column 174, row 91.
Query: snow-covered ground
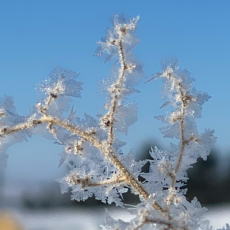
column 218, row 215
column 90, row 219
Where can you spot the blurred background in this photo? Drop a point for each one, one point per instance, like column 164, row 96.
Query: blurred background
column 36, row 36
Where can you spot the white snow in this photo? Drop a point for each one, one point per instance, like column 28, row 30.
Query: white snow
column 91, row 218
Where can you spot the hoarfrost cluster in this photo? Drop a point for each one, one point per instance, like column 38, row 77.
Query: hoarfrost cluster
column 91, row 147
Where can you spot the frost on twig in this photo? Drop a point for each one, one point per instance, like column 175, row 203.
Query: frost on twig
column 93, row 151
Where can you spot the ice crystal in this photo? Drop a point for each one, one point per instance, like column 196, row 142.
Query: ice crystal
column 93, row 149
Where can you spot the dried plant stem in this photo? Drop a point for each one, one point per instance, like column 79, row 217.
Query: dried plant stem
column 128, row 177
column 116, row 180
column 136, row 185
column 182, row 137
column 112, row 111
column 183, row 143
column 108, row 151
column 75, row 130
column 114, row 103
column 181, row 151
column 110, row 155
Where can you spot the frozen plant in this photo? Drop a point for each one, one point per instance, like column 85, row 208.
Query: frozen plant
column 93, row 152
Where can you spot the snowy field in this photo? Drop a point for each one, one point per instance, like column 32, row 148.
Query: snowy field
column 90, row 219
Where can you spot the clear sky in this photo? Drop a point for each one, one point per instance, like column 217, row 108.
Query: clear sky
column 36, row 36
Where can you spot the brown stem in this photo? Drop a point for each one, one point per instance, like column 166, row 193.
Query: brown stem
column 129, row 177
column 118, row 180
column 113, row 107
column 183, row 143
column 135, row 184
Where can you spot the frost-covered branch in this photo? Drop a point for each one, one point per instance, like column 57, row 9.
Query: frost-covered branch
column 187, row 103
column 127, row 177
column 118, row 117
column 91, row 147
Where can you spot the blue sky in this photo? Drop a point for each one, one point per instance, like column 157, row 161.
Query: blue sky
column 36, row 36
